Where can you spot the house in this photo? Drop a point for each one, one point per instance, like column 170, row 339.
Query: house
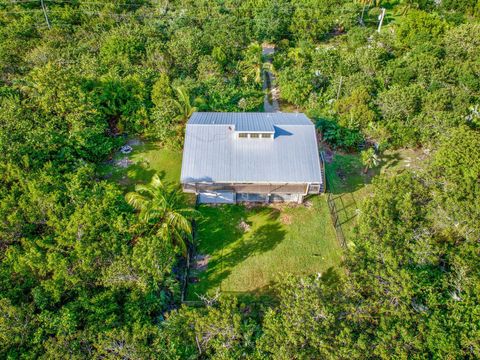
column 250, row 157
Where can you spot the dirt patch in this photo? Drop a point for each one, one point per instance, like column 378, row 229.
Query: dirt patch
column 328, row 156
column 244, row 226
column 200, row 263
column 124, row 181
column 342, row 175
column 286, row 219
column 280, row 206
column 123, row 162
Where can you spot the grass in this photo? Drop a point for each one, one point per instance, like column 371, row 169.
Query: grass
column 282, row 239
column 296, row 239
column 347, row 182
column 146, row 159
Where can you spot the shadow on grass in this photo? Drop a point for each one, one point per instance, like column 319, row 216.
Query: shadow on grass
column 264, row 295
column 346, row 173
column 148, row 146
column 331, row 277
column 390, row 161
column 140, row 172
column 269, row 295
column 221, row 237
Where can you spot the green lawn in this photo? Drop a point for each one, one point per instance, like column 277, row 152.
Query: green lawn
column 288, row 238
column 150, row 158
column 295, row 239
column 346, row 182
column 146, row 159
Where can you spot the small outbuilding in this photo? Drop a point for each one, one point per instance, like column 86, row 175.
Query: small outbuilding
column 251, row 157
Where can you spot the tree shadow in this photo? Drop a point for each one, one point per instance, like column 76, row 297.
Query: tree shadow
column 389, row 161
column 265, row 238
column 345, row 174
column 344, row 177
column 264, row 295
column 221, row 237
column 331, row 277
column 140, row 172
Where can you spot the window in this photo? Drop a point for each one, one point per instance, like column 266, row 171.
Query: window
column 244, row 135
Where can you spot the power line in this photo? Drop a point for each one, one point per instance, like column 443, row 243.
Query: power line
column 17, row 2
column 164, row 11
column 124, row 15
column 292, row 6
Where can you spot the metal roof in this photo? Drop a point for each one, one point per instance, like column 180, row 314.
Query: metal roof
column 255, row 122
column 213, row 153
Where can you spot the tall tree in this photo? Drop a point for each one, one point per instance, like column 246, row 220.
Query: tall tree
column 183, row 105
column 164, row 212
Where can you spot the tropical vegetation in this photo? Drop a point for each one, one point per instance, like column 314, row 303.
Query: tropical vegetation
column 88, row 272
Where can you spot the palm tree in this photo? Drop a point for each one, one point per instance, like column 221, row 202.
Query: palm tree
column 252, row 64
column 183, row 105
column 163, row 209
column 369, row 159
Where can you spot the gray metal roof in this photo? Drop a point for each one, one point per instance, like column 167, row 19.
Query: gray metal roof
column 255, row 122
column 213, row 153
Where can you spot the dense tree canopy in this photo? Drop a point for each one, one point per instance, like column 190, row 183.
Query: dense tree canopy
column 84, row 275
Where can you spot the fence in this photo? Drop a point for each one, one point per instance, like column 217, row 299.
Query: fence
column 190, row 251
column 327, row 188
column 331, row 205
column 185, row 277
column 335, row 220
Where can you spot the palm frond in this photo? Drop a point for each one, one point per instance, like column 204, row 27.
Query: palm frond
column 162, row 209
column 156, row 182
column 138, row 201
column 145, row 189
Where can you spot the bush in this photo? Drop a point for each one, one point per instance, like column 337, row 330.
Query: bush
column 339, row 136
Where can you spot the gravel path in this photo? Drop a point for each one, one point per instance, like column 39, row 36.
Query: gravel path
column 270, row 102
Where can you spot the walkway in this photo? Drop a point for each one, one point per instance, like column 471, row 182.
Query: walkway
column 270, row 102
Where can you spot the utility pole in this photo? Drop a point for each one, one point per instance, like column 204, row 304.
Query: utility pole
column 380, row 17
column 45, row 13
column 339, row 87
